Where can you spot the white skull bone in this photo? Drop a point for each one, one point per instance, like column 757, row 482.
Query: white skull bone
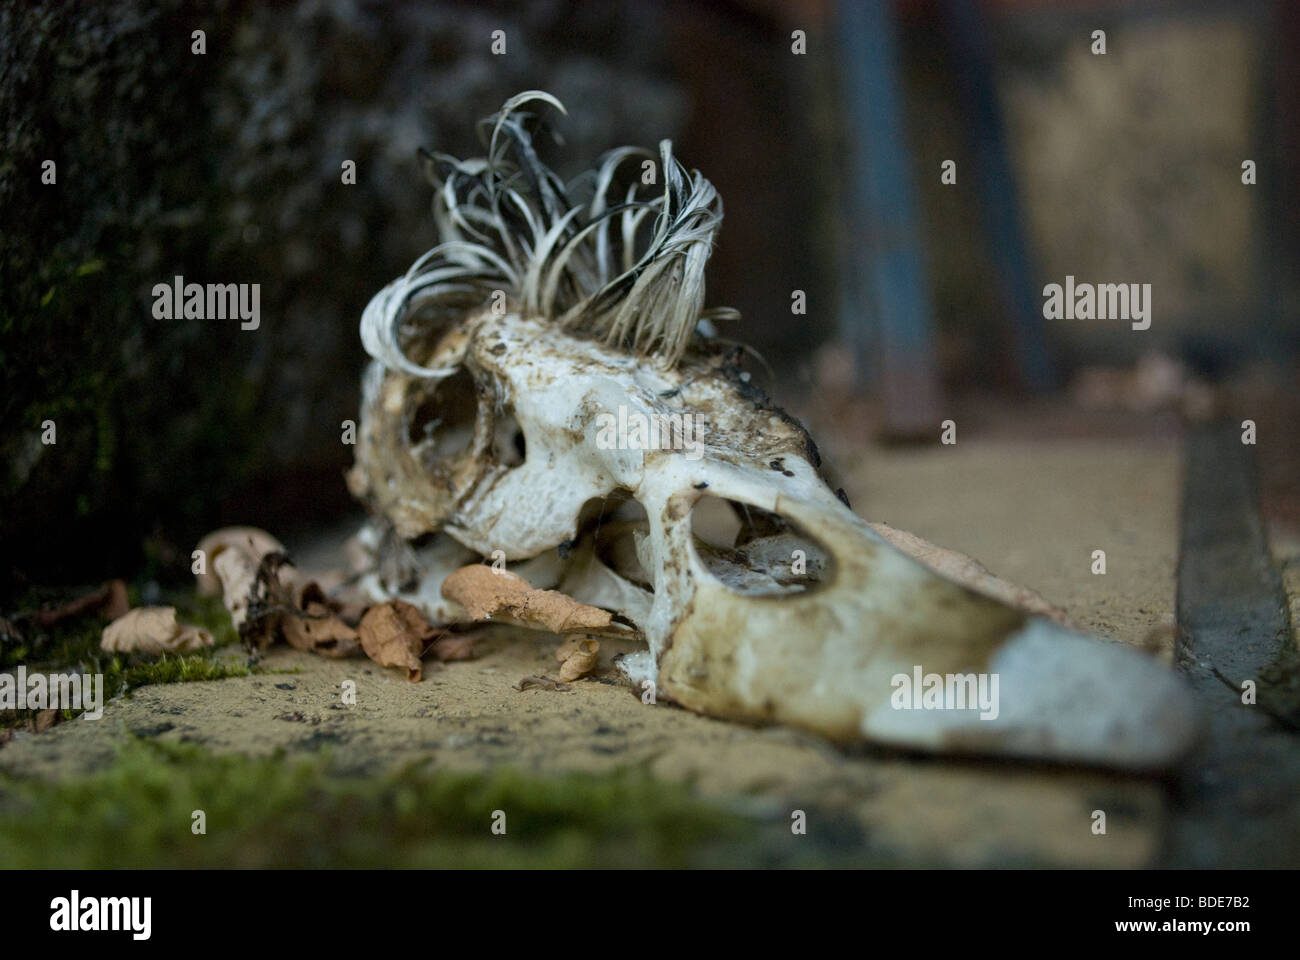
column 545, row 317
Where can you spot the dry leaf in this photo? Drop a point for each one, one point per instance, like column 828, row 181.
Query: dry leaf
column 486, row 592
column 347, row 604
column 394, row 634
column 577, row 656
column 320, row 631
column 117, row 604
column 152, row 630
column 251, row 543
column 257, row 596
column 271, row 598
column 109, row 601
column 567, row 648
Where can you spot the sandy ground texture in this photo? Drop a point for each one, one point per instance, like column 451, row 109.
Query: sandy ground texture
column 1032, row 512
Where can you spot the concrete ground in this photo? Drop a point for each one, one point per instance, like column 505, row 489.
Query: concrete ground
column 1032, row 511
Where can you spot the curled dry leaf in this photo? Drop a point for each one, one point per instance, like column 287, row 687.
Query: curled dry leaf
column 345, row 602
column 322, row 627
column 394, row 634
column 272, row 598
column 269, row 597
column 251, row 543
column 486, row 592
column 152, row 630
column 320, row 630
column 969, row 572
column 577, row 656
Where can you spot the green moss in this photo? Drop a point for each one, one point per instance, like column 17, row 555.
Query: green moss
column 179, row 669
column 272, row 811
column 73, row 645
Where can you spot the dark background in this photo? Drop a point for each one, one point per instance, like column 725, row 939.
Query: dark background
column 226, row 168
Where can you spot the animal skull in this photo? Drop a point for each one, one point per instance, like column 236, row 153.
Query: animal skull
column 551, row 316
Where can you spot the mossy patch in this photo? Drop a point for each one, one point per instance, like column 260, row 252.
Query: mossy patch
column 73, row 645
column 281, row 812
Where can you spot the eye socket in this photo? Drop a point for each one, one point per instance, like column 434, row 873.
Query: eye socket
column 757, row 552
column 440, row 423
column 509, row 446
column 716, row 522
column 621, row 521
column 611, row 524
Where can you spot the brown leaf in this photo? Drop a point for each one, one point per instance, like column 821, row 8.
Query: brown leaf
column 117, row 604
column 578, row 656
column 319, row 630
column 394, row 634
column 346, row 601
column 486, row 592
column 109, row 601
column 271, row 598
column 152, row 630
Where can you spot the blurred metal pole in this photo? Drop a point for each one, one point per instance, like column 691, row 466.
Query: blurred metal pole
column 885, row 278
column 972, row 64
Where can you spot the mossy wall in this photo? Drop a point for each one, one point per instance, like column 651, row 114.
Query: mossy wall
column 226, row 168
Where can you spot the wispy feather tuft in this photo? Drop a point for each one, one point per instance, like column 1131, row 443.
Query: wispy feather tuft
column 629, row 271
